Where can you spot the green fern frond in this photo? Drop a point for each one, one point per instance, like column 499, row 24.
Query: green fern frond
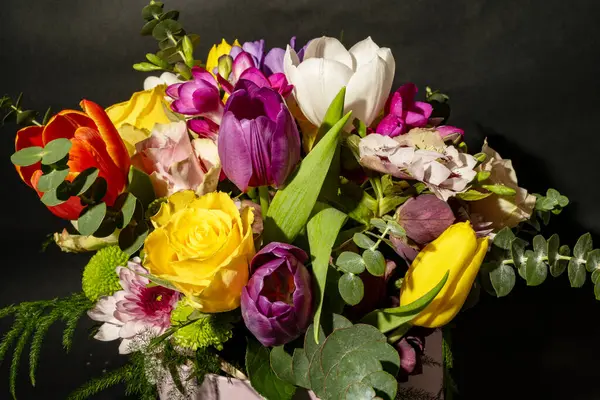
column 11, row 336
column 20, row 346
column 6, row 311
column 104, row 382
column 36, row 342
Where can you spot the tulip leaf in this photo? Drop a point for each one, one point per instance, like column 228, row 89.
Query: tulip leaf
column 261, row 375
column 56, row 150
column 559, row 266
column 375, row 262
column 500, row 190
column 323, row 228
column 52, row 180
column 577, row 273
column 391, row 318
column 292, row 206
column 351, row 288
column 281, row 363
column 350, row 262
column 503, row 279
column 91, row 218
column 334, row 113
column 583, row 246
column 593, row 260
column 27, row 156
column 363, row 241
column 141, row 187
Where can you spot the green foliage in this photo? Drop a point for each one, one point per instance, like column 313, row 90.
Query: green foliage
column 33, row 319
column 545, row 206
column 351, row 288
column 352, row 361
column 200, row 332
column 11, row 109
column 261, row 375
column 100, row 276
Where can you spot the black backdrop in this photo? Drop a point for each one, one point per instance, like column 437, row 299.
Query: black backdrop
column 521, row 72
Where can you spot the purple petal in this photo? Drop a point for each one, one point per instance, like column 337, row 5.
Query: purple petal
column 415, row 119
column 273, row 62
column 242, row 62
column 279, row 308
column 235, row 51
column 264, row 306
column 225, row 84
column 256, row 50
column 205, row 128
column 285, row 147
column 425, row 217
column 408, row 92
column 242, row 105
column 271, row 100
column 447, row 130
column 303, row 297
column 423, row 108
column 396, row 104
column 257, row 133
column 256, row 76
column 207, row 100
column 391, row 125
column 408, row 356
column 256, row 323
column 200, row 74
column 280, row 83
column 173, row 90
column 269, row 248
column 407, row 251
column 233, row 151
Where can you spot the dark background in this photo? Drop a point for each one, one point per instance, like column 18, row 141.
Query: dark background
column 522, row 72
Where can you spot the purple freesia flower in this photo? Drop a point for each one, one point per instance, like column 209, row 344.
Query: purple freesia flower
column 198, row 97
column 258, row 142
column 269, row 63
column 404, row 113
column 277, row 301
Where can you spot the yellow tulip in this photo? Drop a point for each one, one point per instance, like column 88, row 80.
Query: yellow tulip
column 457, row 250
column 136, row 117
column 218, row 50
column 203, row 246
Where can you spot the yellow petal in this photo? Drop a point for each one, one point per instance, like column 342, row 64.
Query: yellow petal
column 176, row 202
column 143, row 110
column 132, row 136
column 218, row 50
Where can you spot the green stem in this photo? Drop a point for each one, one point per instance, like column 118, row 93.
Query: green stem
column 263, row 194
column 19, row 111
column 545, row 258
column 380, row 238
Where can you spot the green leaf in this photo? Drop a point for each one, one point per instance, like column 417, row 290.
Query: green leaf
column 262, row 377
column 47, row 116
column 91, row 219
column 482, row 176
column 25, row 117
column 152, row 11
column 596, row 276
column 593, row 260
column 335, row 112
column 146, row 67
column 126, row 203
column 27, row 156
column 173, row 14
column 149, row 27
column 577, row 273
column 375, row 262
column 503, row 279
column 363, row 241
column 517, row 250
column 188, row 51
column 360, row 127
column 563, row 201
column 351, row 288
column 540, row 247
column 57, row 196
column 385, row 385
column 396, row 229
column 166, row 29
column 535, row 271
column 597, row 291
column 350, row 262
column 481, row 157
column 56, row 150
column 281, row 363
column 141, row 187
column 391, row 318
column 52, row 180
column 154, row 59
column 322, row 229
column 504, row 238
column 552, row 249
column 84, row 181
column 500, row 190
column 131, row 238
column 291, row 207
column 583, row 246
column 158, row 281
column 473, row 195
column 300, row 366
column 380, row 224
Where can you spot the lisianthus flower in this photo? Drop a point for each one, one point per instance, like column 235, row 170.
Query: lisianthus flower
column 137, row 310
column 444, row 169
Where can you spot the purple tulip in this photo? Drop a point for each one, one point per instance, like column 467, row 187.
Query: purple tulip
column 425, row 217
column 198, row 97
column 404, row 113
column 259, row 143
column 277, row 301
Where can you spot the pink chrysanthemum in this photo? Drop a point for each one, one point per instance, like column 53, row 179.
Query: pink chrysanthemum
column 135, row 310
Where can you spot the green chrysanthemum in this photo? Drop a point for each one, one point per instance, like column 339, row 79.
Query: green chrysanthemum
column 99, row 276
column 208, row 330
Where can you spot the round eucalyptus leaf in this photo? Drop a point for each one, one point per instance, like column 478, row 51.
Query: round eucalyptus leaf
column 52, row 180
column 593, row 260
column 503, row 279
column 396, row 229
column 504, row 238
column 298, row 369
column 375, row 262
column 359, row 391
column 149, row 27
column 126, row 203
column 517, row 251
column 350, row 262
column 378, row 223
column 316, row 376
column 131, row 238
column 51, row 198
column 56, row 150
column 597, row 291
column 385, row 385
column 363, row 241
column 152, row 11
column 84, row 181
column 25, row 117
column 540, row 247
column 173, row 14
column 27, row 156
column 106, row 228
column 535, row 271
column 351, row 288
column 577, row 273
column 559, row 266
column 596, row 276
column 281, row 363
column 552, row 248
column 351, row 368
column 583, row 246
column 166, row 29
column 91, row 219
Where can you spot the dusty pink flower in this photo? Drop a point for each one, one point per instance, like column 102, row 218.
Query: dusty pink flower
column 175, row 163
column 425, row 217
column 134, row 311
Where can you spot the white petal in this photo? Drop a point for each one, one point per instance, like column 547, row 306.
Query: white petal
column 364, row 51
column 330, row 49
column 436, row 173
column 402, row 157
column 104, row 310
column 368, row 89
column 374, row 144
column 151, row 82
column 169, row 78
column 133, row 328
column 386, row 55
column 126, row 346
column 108, row 332
column 316, row 82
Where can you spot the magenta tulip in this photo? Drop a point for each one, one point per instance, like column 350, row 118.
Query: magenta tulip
column 259, row 143
column 277, row 301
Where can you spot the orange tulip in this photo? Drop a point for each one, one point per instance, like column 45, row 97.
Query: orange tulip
column 95, row 143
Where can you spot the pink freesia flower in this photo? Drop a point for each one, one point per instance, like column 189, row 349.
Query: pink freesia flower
column 130, row 314
column 199, row 97
column 403, row 112
column 175, row 163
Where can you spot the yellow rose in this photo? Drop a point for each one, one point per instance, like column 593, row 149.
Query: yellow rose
column 203, row 246
column 136, row 118
column 218, row 50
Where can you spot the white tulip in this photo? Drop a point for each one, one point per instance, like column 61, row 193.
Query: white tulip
column 366, row 70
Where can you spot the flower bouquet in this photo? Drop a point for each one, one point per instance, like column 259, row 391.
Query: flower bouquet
column 283, row 217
